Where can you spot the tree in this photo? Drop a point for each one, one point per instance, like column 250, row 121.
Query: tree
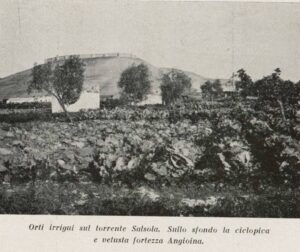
column 64, row 80
column 135, row 83
column 212, row 89
column 173, row 85
column 245, row 84
column 273, row 88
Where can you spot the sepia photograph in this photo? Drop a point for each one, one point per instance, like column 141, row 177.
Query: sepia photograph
column 150, row 108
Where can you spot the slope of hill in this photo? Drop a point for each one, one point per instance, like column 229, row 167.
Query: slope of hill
column 14, row 85
column 100, row 71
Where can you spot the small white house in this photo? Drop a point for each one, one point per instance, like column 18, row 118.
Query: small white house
column 87, row 100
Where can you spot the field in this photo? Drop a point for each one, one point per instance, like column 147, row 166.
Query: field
column 220, row 159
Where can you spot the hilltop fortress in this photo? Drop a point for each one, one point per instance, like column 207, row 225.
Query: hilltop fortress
column 92, row 56
column 101, row 77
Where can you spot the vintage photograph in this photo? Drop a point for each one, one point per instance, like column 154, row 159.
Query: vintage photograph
column 150, row 108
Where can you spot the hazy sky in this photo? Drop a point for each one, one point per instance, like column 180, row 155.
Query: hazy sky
column 210, row 38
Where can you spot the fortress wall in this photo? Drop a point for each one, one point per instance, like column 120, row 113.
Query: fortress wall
column 91, row 56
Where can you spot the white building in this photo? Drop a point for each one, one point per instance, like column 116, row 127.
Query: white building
column 87, row 100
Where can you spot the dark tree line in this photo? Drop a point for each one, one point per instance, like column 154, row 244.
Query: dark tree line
column 271, row 89
column 212, row 89
column 173, row 85
column 135, row 84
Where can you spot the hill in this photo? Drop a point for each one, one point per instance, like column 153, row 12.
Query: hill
column 104, row 70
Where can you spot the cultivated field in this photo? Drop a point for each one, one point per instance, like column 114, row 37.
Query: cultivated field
column 219, row 159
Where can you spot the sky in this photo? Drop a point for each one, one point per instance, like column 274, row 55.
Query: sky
column 213, row 39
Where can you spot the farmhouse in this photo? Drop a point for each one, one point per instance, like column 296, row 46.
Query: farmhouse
column 89, row 99
column 229, row 88
column 229, row 91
